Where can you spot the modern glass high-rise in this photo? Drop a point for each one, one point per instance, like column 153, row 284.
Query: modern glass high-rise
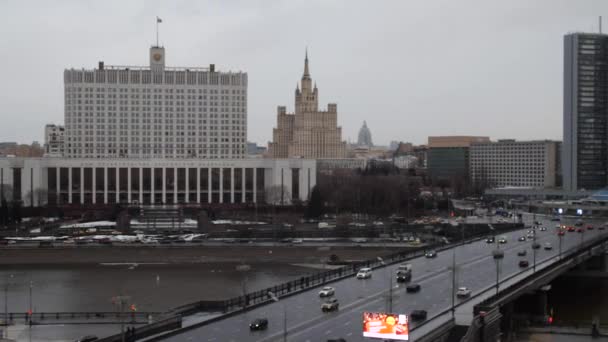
column 585, row 147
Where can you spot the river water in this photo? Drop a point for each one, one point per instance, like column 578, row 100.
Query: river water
column 152, row 287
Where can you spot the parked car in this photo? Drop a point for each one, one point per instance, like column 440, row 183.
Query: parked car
column 548, row 246
column 463, row 292
column 430, row 254
column 364, row 273
column 327, row 291
column 523, row 252
column 418, row 315
column 413, row 288
column 259, row 324
column 523, row 263
column 330, row 305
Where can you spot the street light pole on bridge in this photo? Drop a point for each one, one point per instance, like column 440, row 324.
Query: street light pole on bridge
column 275, row 298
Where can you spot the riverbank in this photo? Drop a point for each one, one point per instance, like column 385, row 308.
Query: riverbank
column 187, row 254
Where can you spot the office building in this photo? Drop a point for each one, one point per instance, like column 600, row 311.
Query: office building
column 155, row 111
column 308, row 132
column 511, row 163
column 585, row 146
column 54, row 140
column 448, row 156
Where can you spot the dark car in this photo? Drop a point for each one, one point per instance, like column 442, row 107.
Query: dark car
column 88, row 338
column 580, row 230
column 561, row 233
column 537, row 223
column 490, row 239
column 523, row 263
column 589, row 227
column 413, row 288
column 522, row 238
column 336, row 340
column 418, row 315
column 571, row 229
column 259, row 324
column 431, row 254
column 522, row 252
column 536, row 245
column 601, row 227
column 403, row 277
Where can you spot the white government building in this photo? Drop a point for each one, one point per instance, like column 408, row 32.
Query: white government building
column 155, row 135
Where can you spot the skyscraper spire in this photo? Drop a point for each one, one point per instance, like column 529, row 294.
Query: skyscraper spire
column 306, row 73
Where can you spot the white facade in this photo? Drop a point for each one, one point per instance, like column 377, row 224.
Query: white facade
column 510, row 163
column 155, row 112
column 156, row 181
column 54, row 140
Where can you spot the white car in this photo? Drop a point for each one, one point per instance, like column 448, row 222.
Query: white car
column 327, row 291
column 548, row 246
column 364, row 273
column 463, row 292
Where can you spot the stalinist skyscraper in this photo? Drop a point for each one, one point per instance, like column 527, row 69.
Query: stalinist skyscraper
column 309, row 132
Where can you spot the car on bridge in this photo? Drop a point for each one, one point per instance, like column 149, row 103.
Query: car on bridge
column 418, row 315
column 590, row 227
column 522, row 238
column 523, row 252
column 579, row 223
column 403, row 276
column 561, row 233
column 327, row 291
column 523, row 263
column 571, row 229
column 502, row 239
column 463, row 292
column 259, row 324
column 580, row 230
column 548, row 246
column 364, row 273
column 543, row 229
column 530, row 236
column 413, row 288
column 601, row 227
column 330, row 305
column 536, row 245
column 431, row 254
column 490, row 239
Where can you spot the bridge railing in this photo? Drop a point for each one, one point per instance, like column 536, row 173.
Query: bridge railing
column 71, row 316
column 171, row 323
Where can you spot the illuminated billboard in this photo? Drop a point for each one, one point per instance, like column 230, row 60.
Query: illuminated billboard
column 386, row 325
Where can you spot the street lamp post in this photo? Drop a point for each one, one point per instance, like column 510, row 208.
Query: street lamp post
column 275, row 298
column 560, row 246
column 498, row 254
column 453, row 281
column 6, row 285
column 121, row 301
column 389, row 302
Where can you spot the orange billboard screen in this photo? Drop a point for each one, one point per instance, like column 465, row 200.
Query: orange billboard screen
column 386, row 325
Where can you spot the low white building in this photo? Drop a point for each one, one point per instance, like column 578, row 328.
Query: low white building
column 156, row 181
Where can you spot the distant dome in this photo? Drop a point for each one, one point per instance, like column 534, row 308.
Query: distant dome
column 365, row 136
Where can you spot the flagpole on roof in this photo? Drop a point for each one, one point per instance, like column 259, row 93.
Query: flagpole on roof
column 156, row 31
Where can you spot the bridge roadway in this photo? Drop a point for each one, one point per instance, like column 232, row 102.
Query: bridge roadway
column 475, row 269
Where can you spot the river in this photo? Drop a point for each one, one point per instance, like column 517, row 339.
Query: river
column 152, row 287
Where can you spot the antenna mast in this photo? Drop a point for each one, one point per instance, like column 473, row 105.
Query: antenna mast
column 600, row 20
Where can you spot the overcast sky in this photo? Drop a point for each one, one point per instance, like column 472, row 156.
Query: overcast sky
column 410, row 68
